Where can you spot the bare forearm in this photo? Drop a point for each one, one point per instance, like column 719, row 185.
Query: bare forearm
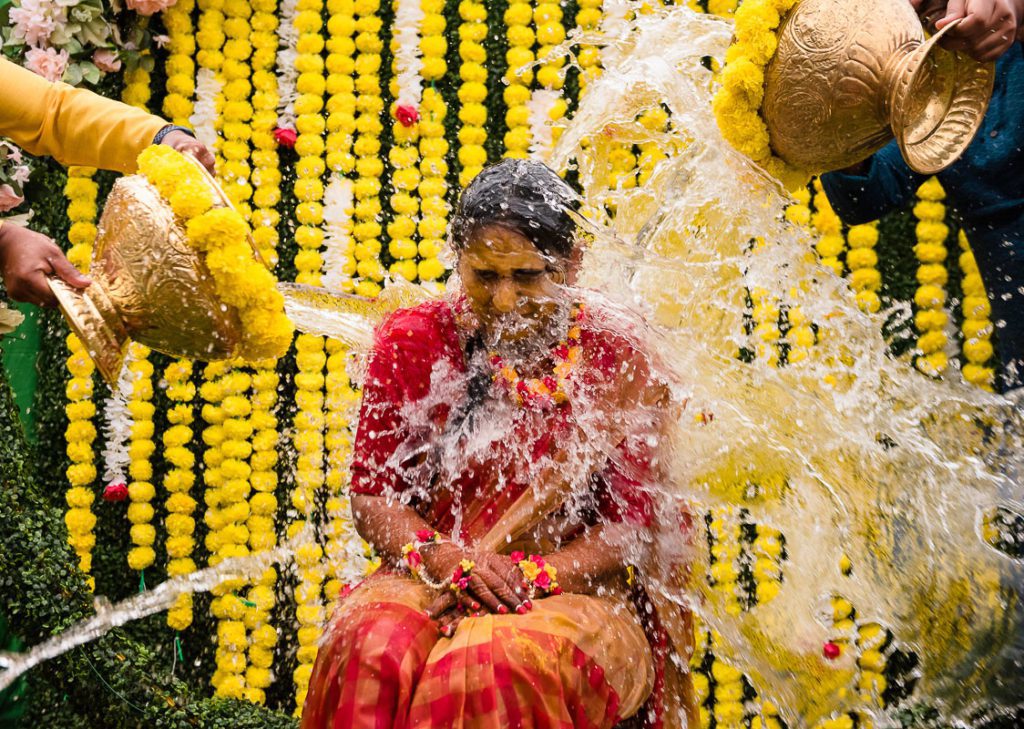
column 387, row 525
column 589, row 563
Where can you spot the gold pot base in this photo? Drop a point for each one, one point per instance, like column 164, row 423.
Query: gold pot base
column 944, row 100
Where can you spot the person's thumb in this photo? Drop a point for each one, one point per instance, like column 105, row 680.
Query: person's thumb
column 955, row 10
column 69, row 274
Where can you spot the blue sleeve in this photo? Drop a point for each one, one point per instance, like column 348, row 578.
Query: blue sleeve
column 888, row 184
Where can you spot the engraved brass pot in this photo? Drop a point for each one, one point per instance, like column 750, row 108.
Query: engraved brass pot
column 148, row 285
column 849, row 75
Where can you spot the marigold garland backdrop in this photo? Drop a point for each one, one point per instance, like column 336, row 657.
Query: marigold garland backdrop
column 344, row 130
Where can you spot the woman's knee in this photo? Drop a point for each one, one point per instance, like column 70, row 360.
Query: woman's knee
column 384, row 637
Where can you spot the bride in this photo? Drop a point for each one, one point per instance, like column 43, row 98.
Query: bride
column 506, row 467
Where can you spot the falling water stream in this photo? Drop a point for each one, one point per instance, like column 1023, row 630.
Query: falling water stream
column 880, row 479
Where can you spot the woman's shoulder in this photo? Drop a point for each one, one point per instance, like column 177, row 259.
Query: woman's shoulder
column 425, row 327
column 614, row 328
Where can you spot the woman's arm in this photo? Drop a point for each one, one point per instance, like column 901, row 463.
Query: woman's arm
column 591, row 564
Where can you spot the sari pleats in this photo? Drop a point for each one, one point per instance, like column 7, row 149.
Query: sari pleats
column 573, row 661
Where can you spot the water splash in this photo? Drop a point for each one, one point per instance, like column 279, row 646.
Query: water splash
column 848, row 453
column 160, row 598
column 872, row 462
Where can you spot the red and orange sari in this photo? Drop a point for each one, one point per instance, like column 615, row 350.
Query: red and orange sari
column 574, row 660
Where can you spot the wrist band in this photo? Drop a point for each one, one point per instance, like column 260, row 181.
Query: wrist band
column 171, row 128
column 538, row 573
column 413, row 560
column 461, row 575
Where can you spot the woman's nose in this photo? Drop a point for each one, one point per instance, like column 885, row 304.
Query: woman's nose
column 505, row 296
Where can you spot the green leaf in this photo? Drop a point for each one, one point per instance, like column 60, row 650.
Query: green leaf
column 72, row 75
column 90, row 72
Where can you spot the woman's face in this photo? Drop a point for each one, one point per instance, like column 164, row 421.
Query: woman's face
column 515, row 291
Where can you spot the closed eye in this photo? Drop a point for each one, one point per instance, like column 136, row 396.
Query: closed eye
column 486, row 275
column 529, row 275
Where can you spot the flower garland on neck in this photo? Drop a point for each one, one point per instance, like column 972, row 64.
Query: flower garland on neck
column 549, row 390
column 518, row 18
column 930, row 297
column 977, row 326
column 473, row 90
column 369, row 166
column 737, row 104
column 81, row 192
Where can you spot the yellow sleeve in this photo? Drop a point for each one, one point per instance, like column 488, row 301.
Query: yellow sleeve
column 74, row 126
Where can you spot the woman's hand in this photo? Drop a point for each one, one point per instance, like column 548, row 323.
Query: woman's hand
column 495, row 585
column 27, row 258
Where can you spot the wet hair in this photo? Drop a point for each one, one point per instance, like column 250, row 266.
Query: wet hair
column 521, row 195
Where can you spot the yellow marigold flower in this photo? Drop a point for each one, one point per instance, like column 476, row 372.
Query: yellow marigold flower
column 978, row 351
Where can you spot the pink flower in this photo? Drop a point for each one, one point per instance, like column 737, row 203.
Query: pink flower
column 9, row 199
column 517, row 556
column 148, row 7
column 407, row 115
column 414, row 560
column 35, row 20
column 115, row 492
column 425, row 535
column 285, row 137
column 543, row 581
column 48, row 63
column 21, row 174
column 106, row 60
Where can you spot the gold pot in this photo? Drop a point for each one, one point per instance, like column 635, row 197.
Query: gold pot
column 849, row 75
column 148, row 285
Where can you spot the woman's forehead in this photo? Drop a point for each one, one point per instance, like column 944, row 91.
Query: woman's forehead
column 496, row 243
